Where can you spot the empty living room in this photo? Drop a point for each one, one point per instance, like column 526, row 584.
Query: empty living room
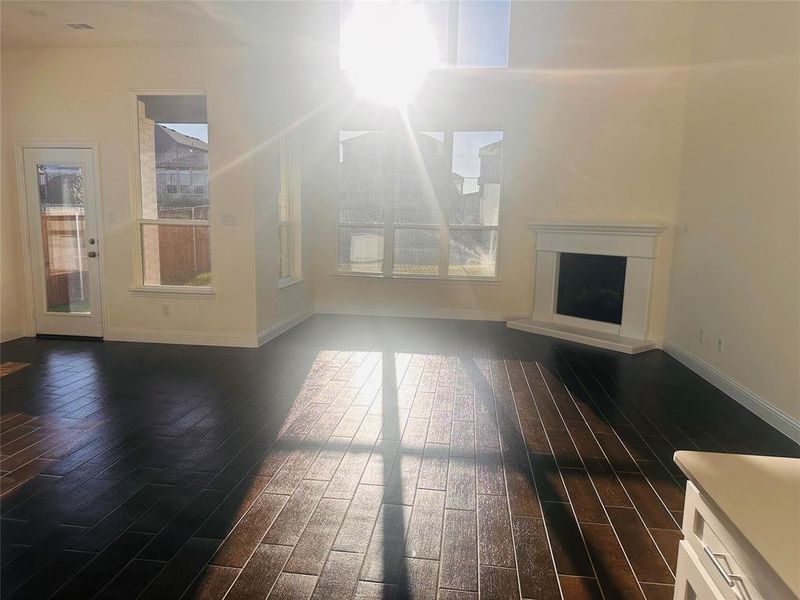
column 400, row 299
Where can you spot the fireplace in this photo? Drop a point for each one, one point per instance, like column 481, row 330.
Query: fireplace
column 591, row 286
column 592, row 283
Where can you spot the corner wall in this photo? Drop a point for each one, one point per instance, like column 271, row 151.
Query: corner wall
column 736, row 266
column 280, row 110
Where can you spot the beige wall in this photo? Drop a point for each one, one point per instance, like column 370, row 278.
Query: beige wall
column 277, row 110
column 592, row 110
column 84, row 94
column 12, row 305
column 736, row 266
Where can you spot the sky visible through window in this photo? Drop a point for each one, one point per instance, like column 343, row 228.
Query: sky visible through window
column 466, row 145
column 483, row 33
column 195, row 130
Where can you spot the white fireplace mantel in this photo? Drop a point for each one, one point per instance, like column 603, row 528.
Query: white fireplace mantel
column 635, row 241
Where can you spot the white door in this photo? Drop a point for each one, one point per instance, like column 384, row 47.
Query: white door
column 62, row 210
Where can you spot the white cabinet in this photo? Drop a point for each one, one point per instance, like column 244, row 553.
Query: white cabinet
column 740, row 539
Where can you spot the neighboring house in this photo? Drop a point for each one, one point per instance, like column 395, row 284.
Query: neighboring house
column 362, row 161
column 181, row 174
column 361, row 180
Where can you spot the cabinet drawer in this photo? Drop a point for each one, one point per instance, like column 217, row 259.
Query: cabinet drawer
column 691, row 580
column 722, row 565
column 736, row 570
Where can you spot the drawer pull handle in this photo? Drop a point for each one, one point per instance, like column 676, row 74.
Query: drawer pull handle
column 729, row 578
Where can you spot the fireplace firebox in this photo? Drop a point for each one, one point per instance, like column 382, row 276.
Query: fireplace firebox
column 591, row 286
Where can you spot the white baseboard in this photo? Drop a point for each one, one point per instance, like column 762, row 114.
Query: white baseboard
column 787, row 425
column 202, row 338
column 420, row 313
column 193, row 338
column 6, row 335
column 270, row 333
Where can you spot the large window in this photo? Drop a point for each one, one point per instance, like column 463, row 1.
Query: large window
column 427, row 206
column 482, row 37
column 289, row 211
column 173, row 223
column 468, row 33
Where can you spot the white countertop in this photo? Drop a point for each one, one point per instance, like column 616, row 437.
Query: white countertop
column 760, row 495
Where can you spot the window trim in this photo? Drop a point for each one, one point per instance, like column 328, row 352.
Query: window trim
column 173, row 291
column 291, row 170
column 444, row 226
column 138, row 286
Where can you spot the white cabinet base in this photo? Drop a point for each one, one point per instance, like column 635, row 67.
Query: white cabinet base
column 727, row 494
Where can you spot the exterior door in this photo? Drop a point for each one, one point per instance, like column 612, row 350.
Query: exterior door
column 62, row 224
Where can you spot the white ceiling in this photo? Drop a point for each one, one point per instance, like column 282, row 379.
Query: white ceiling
column 43, row 24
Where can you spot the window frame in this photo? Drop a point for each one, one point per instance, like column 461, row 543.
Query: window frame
column 450, row 60
column 290, row 191
column 443, row 226
column 139, row 286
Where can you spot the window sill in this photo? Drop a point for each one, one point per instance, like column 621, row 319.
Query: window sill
column 417, row 278
column 173, row 291
column 289, row 282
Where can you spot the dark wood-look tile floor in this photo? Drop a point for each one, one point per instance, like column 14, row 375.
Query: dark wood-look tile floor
column 352, row 458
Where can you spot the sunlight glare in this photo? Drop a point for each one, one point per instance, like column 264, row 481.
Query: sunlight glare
column 387, row 50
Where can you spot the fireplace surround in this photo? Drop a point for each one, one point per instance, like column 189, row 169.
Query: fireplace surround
column 606, row 300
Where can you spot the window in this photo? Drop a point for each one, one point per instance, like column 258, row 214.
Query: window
column 423, row 207
column 289, row 211
column 474, row 213
column 173, row 223
column 483, row 29
column 362, row 192
column 468, row 33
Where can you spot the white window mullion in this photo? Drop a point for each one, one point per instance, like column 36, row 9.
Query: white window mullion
column 177, row 222
column 444, row 241
column 452, row 33
column 390, row 189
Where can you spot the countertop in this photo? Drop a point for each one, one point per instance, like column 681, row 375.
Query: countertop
column 760, row 496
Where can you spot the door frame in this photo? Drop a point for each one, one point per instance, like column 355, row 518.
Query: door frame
column 25, row 237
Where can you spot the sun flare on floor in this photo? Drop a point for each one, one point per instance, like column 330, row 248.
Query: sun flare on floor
column 387, row 50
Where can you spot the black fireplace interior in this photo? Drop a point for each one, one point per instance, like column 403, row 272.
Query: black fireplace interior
column 591, row 286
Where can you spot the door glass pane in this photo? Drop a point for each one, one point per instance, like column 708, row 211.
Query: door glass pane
column 473, row 252
column 176, row 255
column 62, row 212
column 416, row 251
column 477, row 168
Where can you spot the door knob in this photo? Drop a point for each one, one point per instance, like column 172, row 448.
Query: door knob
column 92, row 254
column 92, row 241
